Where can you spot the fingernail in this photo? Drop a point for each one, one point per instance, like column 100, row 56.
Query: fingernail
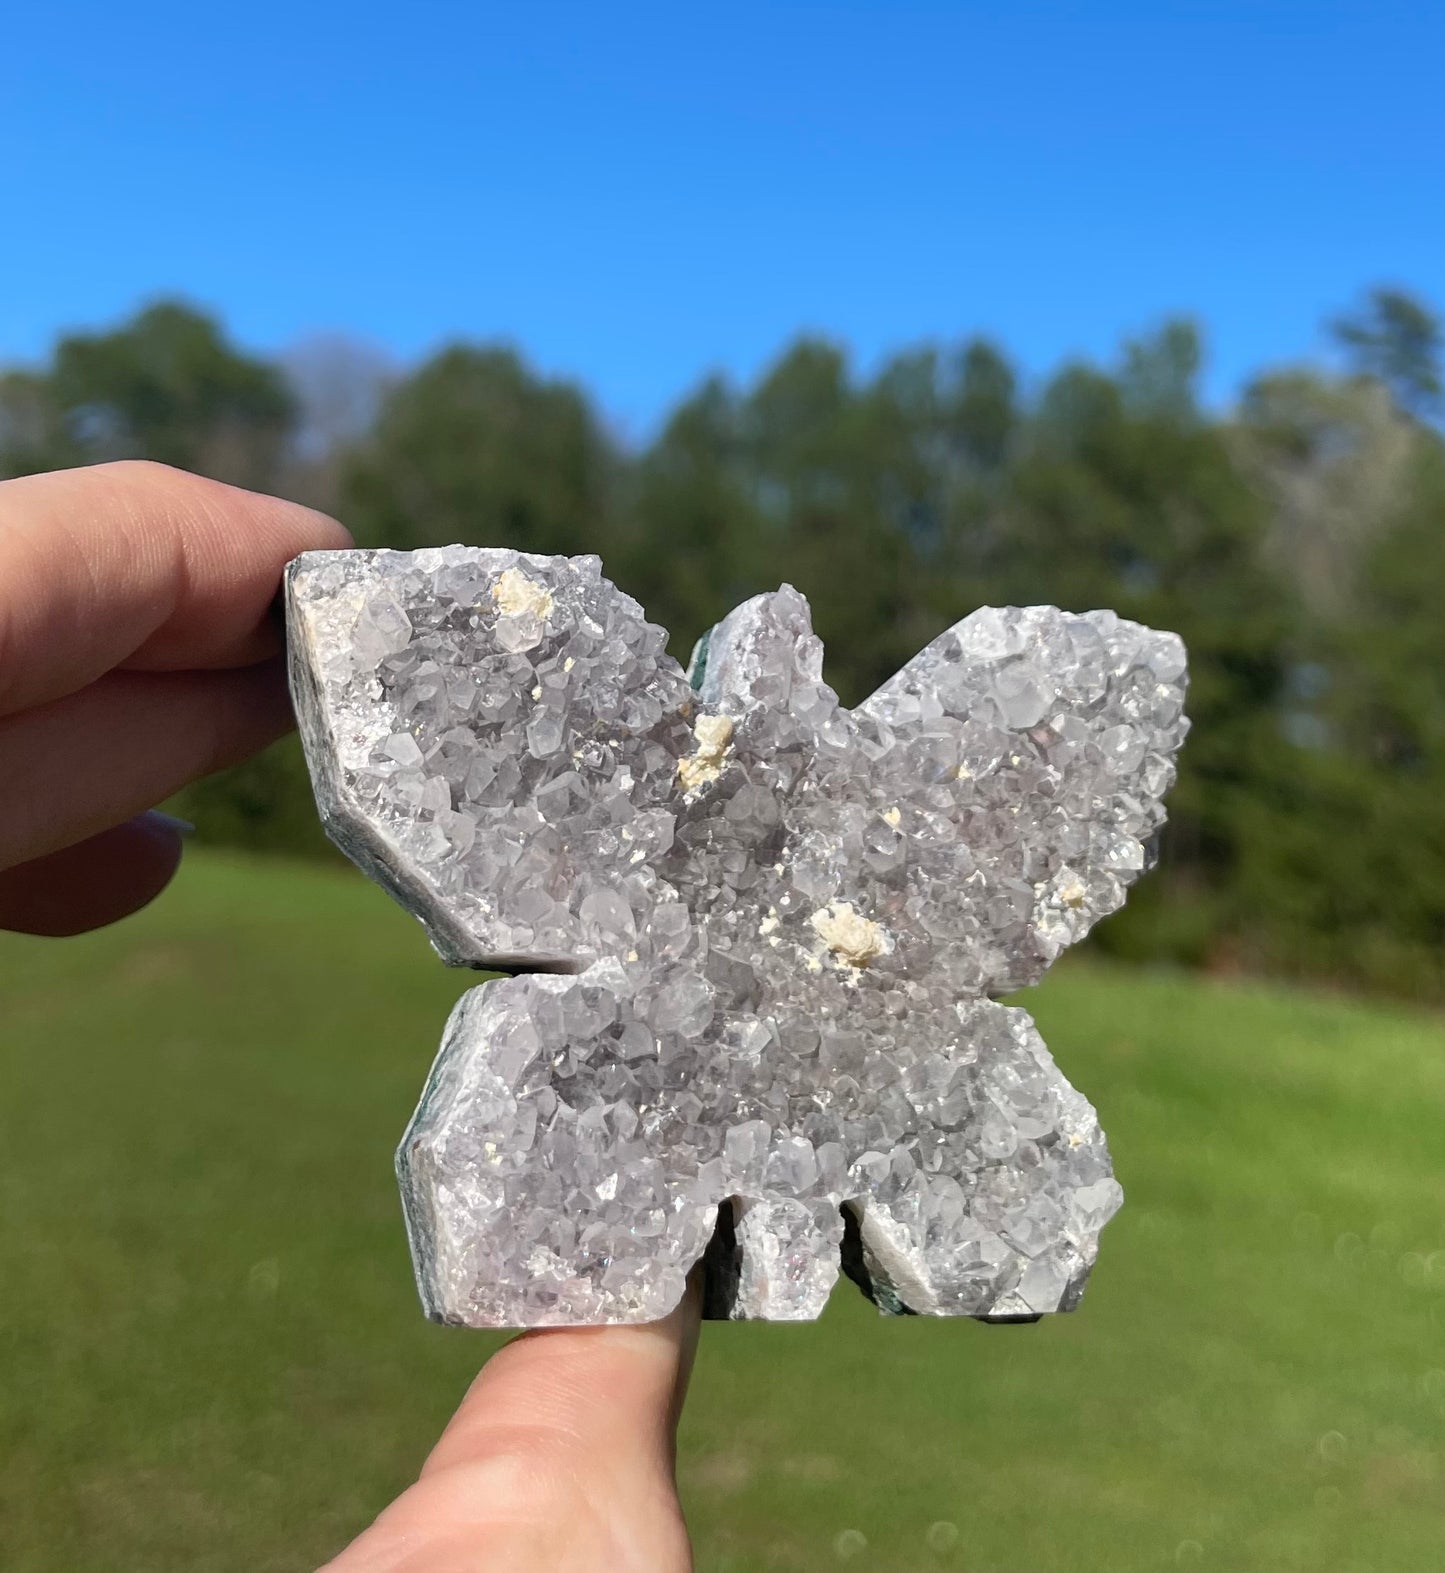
column 164, row 821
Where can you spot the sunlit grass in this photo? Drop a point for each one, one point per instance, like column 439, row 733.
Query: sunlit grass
column 211, row 1355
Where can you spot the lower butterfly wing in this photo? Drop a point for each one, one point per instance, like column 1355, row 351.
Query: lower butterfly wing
column 545, row 1181
column 995, row 1208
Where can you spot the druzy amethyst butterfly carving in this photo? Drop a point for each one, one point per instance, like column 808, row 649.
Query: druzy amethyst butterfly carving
column 756, row 938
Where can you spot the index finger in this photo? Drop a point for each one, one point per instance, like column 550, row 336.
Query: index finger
column 139, row 566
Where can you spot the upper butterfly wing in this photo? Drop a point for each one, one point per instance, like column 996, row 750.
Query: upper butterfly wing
column 1026, row 753
column 494, row 737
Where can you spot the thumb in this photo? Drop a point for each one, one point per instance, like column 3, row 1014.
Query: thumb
column 560, row 1460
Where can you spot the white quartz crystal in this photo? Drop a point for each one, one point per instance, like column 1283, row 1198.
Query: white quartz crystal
column 757, row 937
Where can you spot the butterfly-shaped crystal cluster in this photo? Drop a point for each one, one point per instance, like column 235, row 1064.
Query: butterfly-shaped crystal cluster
column 756, row 938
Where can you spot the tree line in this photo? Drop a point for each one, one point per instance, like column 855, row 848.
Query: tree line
column 1296, row 541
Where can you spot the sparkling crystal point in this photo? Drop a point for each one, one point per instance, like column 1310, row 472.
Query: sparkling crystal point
column 756, row 936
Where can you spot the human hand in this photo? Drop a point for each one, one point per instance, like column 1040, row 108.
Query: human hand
column 138, row 653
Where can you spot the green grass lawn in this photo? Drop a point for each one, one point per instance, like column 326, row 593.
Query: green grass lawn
column 211, row 1356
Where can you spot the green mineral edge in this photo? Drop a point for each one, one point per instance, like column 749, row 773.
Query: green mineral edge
column 697, row 664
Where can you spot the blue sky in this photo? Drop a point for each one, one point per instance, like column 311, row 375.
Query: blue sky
column 636, row 194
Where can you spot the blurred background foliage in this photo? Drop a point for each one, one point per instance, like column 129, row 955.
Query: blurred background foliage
column 1296, row 540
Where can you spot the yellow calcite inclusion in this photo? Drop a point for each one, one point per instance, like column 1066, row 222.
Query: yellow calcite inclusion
column 516, row 595
column 713, row 734
column 853, row 939
column 1072, row 892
